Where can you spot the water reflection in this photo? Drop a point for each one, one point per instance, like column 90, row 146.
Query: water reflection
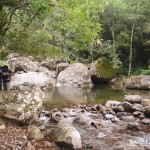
column 63, row 95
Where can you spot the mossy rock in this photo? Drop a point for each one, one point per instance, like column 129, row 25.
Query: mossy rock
column 105, row 68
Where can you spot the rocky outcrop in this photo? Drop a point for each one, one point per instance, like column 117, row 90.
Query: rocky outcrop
column 76, row 75
column 22, row 63
column 21, row 104
column 132, row 98
column 67, row 136
column 138, row 82
column 41, row 79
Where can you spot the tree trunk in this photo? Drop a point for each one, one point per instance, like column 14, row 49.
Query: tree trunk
column 131, row 51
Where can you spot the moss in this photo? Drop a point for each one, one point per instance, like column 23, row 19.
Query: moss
column 1, row 121
column 105, row 68
column 27, row 108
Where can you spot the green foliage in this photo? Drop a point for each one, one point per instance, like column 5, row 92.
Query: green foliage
column 105, row 68
column 140, row 71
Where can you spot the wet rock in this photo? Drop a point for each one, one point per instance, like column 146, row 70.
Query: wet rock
column 35, row 133
column 147, row 110
column 128, row 118
column 133, row 126
column 109, row 116
column 127, row 106
column 146, row 121
column 118, row 108
column 137, row 113
column 112, row 104
column 121, row 114
column 138, row 107
column 141, row 116
column 66, row 136
column 132, row 98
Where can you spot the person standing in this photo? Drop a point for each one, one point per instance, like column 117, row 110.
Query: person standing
column 1, row 79
column 6, row 75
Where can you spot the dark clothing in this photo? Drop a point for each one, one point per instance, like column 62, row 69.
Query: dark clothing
column 6, row 77
column 1, row 79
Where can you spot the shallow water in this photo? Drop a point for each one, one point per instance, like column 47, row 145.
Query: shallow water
column 63, row 96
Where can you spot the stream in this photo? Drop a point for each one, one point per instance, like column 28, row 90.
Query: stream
column 63, row 96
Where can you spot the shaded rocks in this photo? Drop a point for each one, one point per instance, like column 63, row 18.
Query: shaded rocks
column 21, row 63
column 76, row 75
column 133, row 126
column 127, row 106
column 147, row 110
column 128, row 118
column 66, row 136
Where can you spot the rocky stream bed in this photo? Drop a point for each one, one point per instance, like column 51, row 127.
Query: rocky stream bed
column 115, row 126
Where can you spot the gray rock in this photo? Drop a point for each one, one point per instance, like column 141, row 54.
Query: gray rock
column 121, row 114
column 112, row 104
column 138, row 107
column 137, row 113
column 133, row 126
column 41, row 79
column 127, row 106
column 141, row 116
column 146, row 121
column 118, row 108
column 66, row 136
column 138, row 82
column 22, row 63
column 128, row 118
column 21, row 105
column 76, row 75
column 147, row 110
column 34, row 133
column 109, row 116
column 132, row 98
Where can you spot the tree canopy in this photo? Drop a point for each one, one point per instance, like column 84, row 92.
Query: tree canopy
column 78, row 30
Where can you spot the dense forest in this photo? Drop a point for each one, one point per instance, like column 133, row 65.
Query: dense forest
column 79, row 31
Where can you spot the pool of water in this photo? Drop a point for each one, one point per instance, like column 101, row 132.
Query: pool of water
column 64, row 96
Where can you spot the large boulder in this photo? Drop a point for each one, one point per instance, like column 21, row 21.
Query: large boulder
column 76, row 75
column 42, row 79
column 66, row 136
column 102, row 70
column 22, row 63
column 21, row 104
column 138, row 82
